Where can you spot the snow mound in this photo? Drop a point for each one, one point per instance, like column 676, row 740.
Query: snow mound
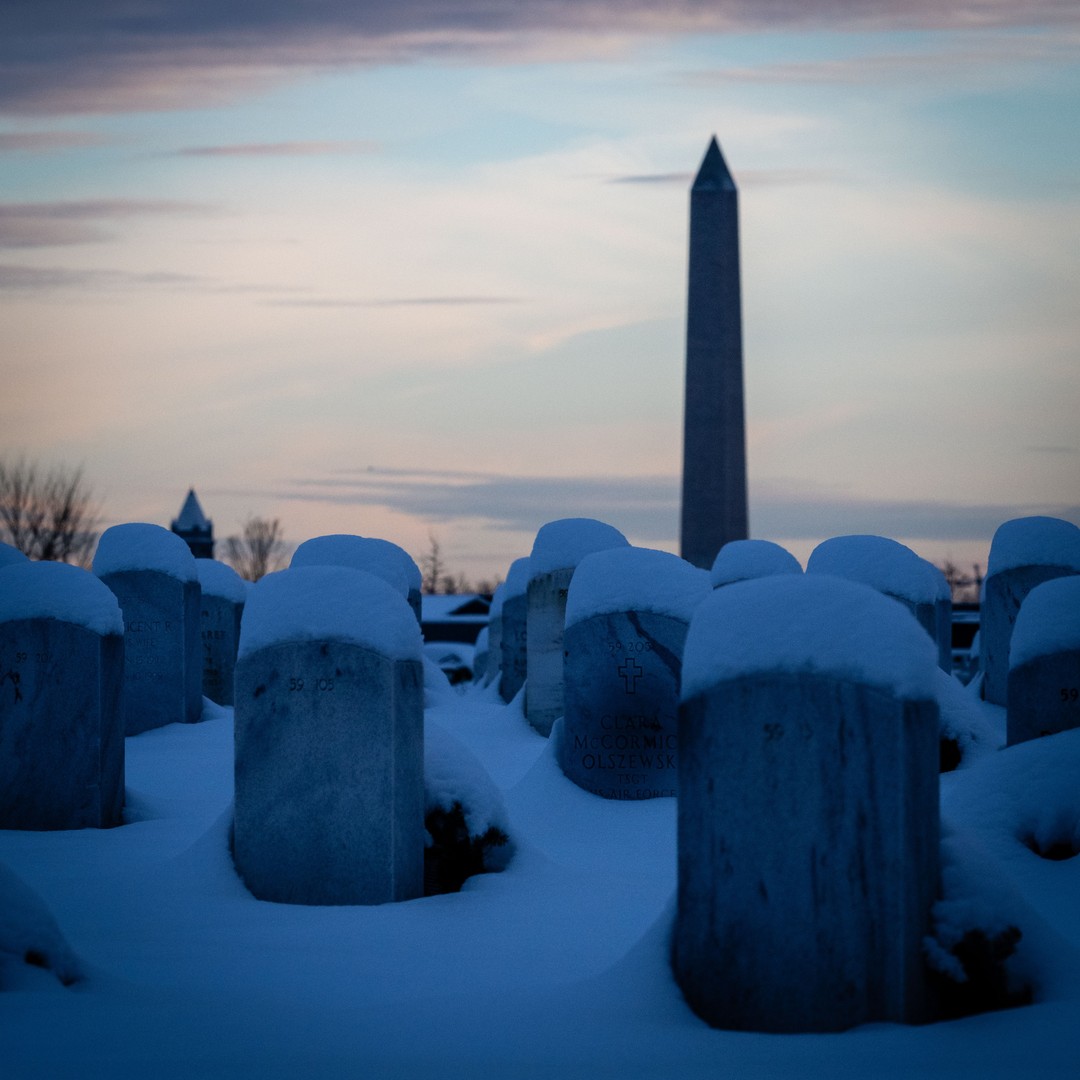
column 1034, row 541
column 963, row 718
column 809, row 623
column 635, row 579
column 1048, row 621
column 29, row 935
column 453, row 774
column 742, row 560
column 50, row 590
column 881, row 563
column 10, row 555
column 138, row 546
column 562, row 544
column 378, row 557
column 218, row 579
column 329, row 603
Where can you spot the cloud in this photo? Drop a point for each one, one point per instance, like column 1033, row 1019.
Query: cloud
column 53, row 224
column 283, row 149
column 745, row 178
column 647, row 507
column 69, row 56
column 15, row 278
column 45, row 142
column 391, row 302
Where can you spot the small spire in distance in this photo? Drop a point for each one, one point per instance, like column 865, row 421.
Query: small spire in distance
column 713, row 174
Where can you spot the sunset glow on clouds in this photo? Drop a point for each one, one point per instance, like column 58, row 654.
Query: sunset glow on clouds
column 380, row 274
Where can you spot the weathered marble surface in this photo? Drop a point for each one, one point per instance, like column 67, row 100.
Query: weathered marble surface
column 808, row 853
column 219, row 629
column 514, row 646
column 1043, row 697
column 620, row 733
column 329, row 774
column 544, row 647
column 61, row 730
column 162, row 649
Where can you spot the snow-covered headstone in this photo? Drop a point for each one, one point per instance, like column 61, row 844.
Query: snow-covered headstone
column 513, row 646
column 222, row 604
column 152, row 573
column 1024, row 553
column 329, row 740
column 494, row 629
column 481, row 653
column 1044, row 662
column 895, row 570
column 10, row 555
column 627, row 612
column 558, row 548
column 61, row 673
column 379, row 557
column 743, row 560
column 808, row 807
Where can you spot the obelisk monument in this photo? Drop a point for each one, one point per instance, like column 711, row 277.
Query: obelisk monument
column 714, row 438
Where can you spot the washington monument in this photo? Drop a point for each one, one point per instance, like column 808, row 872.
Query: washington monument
column 714, row 438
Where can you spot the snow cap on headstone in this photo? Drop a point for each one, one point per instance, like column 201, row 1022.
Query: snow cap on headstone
column 51, row 590
column 1048, row 621
column 10, row 555
column 516, row 583
column 562, row 544
column 218, row 579
column 378, row 557
column 816, row 624
column 139, row 546
column 1034, row 541
column 329, row 603
column 883, row 564
column 635, row 579
column 742, row 560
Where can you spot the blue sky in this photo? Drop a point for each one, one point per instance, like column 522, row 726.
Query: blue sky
column 404, row 270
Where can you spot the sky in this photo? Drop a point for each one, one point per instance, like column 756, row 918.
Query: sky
column 417, row 270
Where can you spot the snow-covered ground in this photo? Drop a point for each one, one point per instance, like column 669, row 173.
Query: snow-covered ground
column 556, row 967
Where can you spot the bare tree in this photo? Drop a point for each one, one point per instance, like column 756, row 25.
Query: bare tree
column 258, row 551
column 432, row 567
column 48, row 513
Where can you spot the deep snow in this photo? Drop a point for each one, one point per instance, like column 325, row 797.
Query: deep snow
column 555, row 967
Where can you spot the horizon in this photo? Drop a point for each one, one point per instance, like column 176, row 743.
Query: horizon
column 402, row 272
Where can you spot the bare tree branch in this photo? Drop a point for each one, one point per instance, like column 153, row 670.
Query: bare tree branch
column 260, row 549
column 48, row 514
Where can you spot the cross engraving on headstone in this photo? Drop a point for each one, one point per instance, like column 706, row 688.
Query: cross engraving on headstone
column 631, row 671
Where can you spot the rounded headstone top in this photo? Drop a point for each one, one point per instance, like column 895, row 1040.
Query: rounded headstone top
column 138, row 546
column 742, row 560
column 10, row 555
column 1034, row 541
column 562, row 544
column 516, row 584
column 218, row 579
column 329, row 603
column 635, row 579
column 51, row 590
column 378, row 557
column 881, row 563
column 1048, row 621
column 810, row 624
